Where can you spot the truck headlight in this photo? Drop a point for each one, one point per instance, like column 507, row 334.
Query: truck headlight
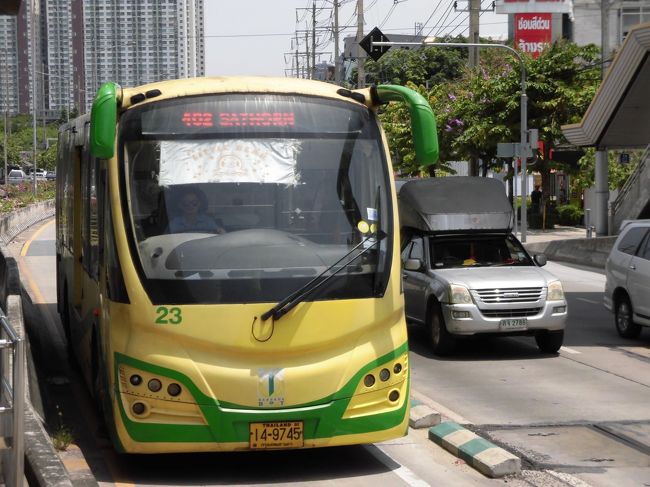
column 555, row 291
column 459, row 295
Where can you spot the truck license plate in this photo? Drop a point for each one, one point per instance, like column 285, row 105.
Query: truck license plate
column 513, row 324
column 277, row 434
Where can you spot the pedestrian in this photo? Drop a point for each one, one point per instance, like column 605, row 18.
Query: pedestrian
column 536, row 199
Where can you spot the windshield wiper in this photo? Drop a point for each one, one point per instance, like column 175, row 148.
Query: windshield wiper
column 297, row 297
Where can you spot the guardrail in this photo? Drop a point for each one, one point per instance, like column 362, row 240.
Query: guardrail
column 630, row 184
column 12, row 401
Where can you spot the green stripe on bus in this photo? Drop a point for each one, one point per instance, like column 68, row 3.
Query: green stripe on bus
column 232, row 425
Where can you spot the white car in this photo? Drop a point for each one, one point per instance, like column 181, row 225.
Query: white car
column 627, row 285
column 16, row 176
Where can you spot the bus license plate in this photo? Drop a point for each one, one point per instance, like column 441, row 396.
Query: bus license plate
column 279, row 434
column 514, row 324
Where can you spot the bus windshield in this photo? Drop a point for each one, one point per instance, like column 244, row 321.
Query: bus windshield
column 247, row 197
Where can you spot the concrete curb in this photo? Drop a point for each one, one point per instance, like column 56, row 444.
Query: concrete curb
column 591, row 252
column 484, row 456
column 422, row 416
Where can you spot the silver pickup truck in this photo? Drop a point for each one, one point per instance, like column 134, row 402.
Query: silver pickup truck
column 465, row 273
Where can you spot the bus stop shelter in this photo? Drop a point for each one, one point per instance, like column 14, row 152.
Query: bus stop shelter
column 619, row 115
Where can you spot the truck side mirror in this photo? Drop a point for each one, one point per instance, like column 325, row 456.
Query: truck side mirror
column 540, row 259
column 412, row 264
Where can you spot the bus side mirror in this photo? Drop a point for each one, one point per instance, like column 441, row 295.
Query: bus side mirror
column 103, row 120
column 423, row 121
column 540, row 259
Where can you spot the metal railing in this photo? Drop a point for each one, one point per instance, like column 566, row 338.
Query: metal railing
column 12, row 402
column 631, row 182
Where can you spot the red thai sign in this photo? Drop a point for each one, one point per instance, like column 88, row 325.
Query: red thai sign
column 533, row 32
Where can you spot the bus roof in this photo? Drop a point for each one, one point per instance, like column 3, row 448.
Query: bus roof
column 234, row 84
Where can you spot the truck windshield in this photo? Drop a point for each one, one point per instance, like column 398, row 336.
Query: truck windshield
column 245, row 198
column 468, row 250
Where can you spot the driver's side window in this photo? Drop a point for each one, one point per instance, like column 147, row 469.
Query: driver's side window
column 414, row 250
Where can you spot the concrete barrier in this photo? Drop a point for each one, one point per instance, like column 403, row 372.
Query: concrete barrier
column 583, row 251
column 43, row 467
column 11, row 224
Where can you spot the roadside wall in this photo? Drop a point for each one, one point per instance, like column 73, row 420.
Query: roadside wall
column 583, row 251
column 43, row 466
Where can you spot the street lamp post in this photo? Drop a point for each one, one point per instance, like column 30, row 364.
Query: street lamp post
column 524, row 150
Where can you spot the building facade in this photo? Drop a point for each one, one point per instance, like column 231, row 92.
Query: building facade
column 81, row 44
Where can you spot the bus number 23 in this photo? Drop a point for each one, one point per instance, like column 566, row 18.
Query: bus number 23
column 172, row 316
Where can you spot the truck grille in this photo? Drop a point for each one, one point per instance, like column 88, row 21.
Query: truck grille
column 508, row 295
column 510, row 313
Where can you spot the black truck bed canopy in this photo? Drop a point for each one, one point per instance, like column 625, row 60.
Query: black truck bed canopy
column 455, row 204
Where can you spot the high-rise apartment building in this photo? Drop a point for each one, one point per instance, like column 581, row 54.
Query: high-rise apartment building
column 80, row 44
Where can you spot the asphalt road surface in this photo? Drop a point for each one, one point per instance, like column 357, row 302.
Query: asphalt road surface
column 580, row 418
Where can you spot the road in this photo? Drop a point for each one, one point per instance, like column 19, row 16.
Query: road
column 577, row 418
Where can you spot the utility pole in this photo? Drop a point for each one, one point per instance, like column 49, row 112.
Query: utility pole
column 313, row 40
column 308, row 72
column 337, row 61
column 604, row 35
column 297, row 58
column 6, row 61
column 33, row 27
column 361, row 59
column 474, row 11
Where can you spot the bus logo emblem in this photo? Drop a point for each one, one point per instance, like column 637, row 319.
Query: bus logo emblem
column 270, row 387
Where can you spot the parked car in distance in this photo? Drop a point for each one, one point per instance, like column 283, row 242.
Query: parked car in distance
column 627, row 278
column 466, row 274
column 16, row 176
column 50, row 175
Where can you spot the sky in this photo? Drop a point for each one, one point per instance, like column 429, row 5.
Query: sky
column 254, row 37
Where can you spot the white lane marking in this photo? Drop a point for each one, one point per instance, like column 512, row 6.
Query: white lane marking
column 590, row 301
column 569, row 350
column 406, row 474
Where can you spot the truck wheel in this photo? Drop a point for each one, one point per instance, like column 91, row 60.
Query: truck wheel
column 549, row 341
column 623, row 319
column 442, row 342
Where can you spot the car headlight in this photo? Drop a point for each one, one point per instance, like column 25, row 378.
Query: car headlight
column 459, row 295
column 555, row 291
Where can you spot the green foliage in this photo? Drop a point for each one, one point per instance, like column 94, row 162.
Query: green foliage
column 16, row 196
column 569, row 215
column 477, row 109
column 618, row 173
column 20, row 139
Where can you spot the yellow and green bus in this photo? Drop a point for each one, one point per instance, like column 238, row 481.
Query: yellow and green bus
column 228, row 270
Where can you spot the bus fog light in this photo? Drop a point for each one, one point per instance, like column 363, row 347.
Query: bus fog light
column 135, row 380
column 138, row 408
column 173, row 389
column 559, row 309
column 384, row 375
column 369, row 380
column 397, row 368
column 154, row 385
column 459, row 315
column 393, row 396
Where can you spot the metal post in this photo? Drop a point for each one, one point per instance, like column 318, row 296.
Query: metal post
column 523, row 146
column 361, row 73
column 33, row 27
column 337, row 61
column 6, row 60
column 602, row 191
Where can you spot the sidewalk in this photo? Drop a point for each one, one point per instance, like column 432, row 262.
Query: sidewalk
column 557, row 233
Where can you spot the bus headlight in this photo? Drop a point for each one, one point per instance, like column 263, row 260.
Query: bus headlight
column 555, row 291
column 459, row 294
